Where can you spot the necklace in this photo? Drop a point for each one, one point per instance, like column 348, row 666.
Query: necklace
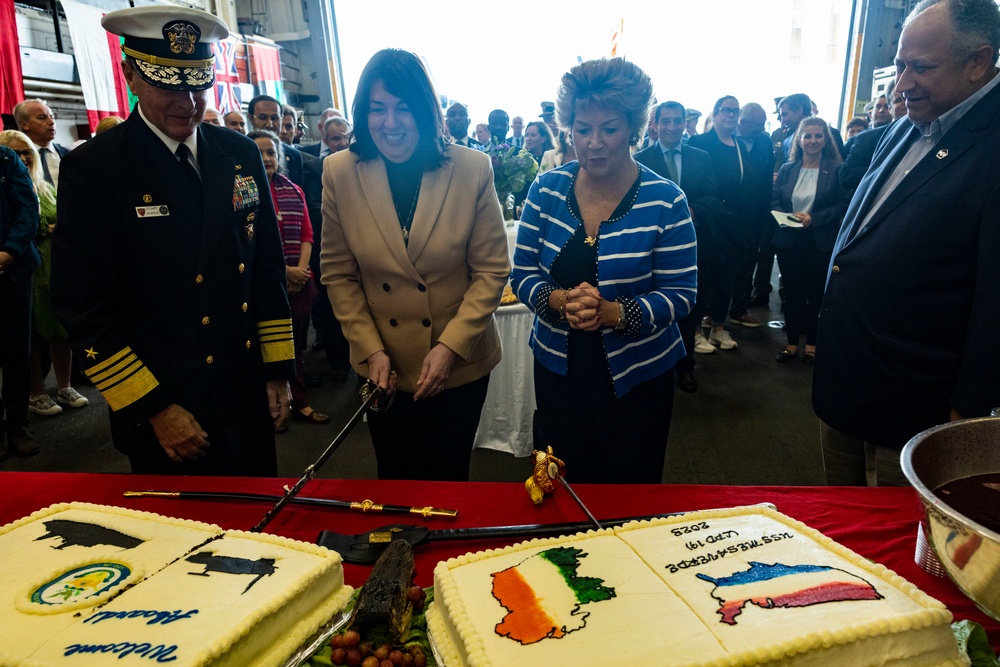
column 405, row 224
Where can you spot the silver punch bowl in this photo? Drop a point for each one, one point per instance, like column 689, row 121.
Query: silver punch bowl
column 968, row 552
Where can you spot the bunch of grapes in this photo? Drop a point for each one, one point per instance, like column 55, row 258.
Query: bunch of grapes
column 348, row 649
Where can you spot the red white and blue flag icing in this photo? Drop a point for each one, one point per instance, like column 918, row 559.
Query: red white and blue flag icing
column 533, row 616
column 779, row 585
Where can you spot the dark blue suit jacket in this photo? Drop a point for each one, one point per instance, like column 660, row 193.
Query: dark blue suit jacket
column 860, row 151
column 311, row 149
column 698, row 184
column 908, row 325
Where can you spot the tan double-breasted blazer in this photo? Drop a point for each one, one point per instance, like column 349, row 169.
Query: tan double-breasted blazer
column 441, row 288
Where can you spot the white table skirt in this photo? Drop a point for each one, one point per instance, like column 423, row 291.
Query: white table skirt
column 505, row 423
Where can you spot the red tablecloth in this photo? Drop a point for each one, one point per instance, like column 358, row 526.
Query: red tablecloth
column 879, row 524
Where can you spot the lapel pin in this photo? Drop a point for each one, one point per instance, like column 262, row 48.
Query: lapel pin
column 942, row 154
column 147, row 198
column 238, row 167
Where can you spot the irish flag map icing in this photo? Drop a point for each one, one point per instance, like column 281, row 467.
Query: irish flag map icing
column 737, row 587
column 90, row 585
column 528, row 620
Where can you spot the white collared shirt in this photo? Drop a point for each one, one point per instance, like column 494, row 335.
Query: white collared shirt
column 930, row 134
column 172, row 144
column 51, row 157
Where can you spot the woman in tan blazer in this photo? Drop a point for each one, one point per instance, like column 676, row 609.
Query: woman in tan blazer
column 414, row 257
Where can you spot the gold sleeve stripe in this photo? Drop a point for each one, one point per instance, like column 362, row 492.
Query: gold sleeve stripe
column 277, row 351
column 114, row 370
column 276, row 340
column 122, row 379
column 274, row 323
column 130, row 389
column 97, row 368
column 133, row 365
column 271, row 338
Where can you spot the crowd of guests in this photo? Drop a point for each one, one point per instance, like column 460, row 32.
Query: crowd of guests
column 638, row 241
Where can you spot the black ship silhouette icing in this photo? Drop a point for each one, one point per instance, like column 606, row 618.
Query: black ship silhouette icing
column 263, row 567
column 77, row 533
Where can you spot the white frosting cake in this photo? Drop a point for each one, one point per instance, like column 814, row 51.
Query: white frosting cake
column 746, row 586
column 94, row 585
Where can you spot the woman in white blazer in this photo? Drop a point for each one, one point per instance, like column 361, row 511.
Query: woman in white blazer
column 414, row 257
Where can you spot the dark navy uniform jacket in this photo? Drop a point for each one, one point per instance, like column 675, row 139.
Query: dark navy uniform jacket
column 173, row 293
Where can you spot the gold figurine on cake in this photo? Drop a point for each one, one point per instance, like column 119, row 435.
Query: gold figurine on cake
column 548, row 468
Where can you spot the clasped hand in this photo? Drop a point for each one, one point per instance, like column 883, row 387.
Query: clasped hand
column 587, row 310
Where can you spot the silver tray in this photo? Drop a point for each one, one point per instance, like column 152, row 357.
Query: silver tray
column 316, row 642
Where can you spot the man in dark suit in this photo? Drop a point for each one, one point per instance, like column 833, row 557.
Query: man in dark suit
column 691, row 169
column 861, row 148
column 18, row 259
column 319, row 149
column 457, row 120
column 35, row 119
column 171, row 282
column 921, row 236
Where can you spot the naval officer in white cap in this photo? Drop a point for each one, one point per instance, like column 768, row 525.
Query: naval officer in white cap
column 168, row 269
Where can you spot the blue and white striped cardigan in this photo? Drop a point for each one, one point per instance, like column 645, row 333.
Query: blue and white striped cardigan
column 649, row 255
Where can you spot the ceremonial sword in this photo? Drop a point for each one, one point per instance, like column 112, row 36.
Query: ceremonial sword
column 361, row 506
column 370, row 392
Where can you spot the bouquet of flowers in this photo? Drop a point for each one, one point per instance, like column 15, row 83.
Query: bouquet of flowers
column 513, row 168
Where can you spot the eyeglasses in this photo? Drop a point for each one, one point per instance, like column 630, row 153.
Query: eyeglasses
column 27, row 152
column 728, row 111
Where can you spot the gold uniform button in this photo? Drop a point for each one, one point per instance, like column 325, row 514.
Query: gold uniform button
column 205, row 320
column 248, row 345
column 242, row 267
column 245, row 306
column 199, row 279
column 835, row 269
column 209, row 359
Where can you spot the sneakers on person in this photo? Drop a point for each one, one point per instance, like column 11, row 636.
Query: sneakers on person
column 22, row 442
column 723, row 340
column 42, row 404
column 702, row 345
column 706, row 322
column 746, row 320
column 71, row 398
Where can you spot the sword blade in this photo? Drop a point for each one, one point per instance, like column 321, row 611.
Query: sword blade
column 579, row 502
column 310, row 470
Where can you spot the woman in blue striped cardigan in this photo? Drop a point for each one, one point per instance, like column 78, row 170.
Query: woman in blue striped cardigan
column 606, row 258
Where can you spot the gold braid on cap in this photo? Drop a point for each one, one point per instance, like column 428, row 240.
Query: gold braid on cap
column 167, row 62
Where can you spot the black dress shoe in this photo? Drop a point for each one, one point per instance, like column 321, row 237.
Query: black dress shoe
column 687, row 383
column 312, row 381
column 785, row 355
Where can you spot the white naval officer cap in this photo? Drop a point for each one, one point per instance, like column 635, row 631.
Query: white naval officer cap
column 169, row 46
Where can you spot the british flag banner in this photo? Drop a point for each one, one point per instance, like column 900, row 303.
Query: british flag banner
column 227, row 79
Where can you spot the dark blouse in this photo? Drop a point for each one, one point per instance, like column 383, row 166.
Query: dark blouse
column 575, row 264
column 404, row 182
